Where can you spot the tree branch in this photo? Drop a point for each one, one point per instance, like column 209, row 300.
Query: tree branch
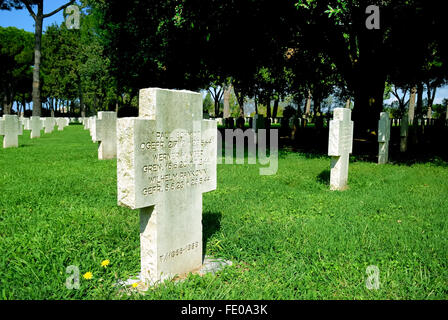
column 30, row 10
column 58, row 9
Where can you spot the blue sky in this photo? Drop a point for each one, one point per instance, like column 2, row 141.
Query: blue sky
column 22, row 20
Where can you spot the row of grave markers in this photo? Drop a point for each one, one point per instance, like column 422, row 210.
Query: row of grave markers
column 159, row 174
column 166, row 160
column 11, row 127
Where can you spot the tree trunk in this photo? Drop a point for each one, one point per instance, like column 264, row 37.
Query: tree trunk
column 268, row 106
column 256, row 104
column 431, row 95
column 446, row 115
column 348, row 103
column 419, row 105
column 316, row 106
column 274, row 112
column 37, row 103
column 308, row 105
column 226, row 114
column 411, row 110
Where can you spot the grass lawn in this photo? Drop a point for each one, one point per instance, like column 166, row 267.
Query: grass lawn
column 288, row 236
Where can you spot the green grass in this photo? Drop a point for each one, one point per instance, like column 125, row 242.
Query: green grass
column 288, row 236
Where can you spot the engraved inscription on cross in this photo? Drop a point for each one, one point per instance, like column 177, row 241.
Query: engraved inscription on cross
column 166, row 159
column 340, row 145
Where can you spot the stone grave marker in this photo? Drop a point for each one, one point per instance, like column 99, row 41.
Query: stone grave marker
column 166, row 159
column 35, row 126
column 87, row 123
column 106, row 134
column 92, row 127
column 27, row 123
column 10, row 130
column 60, row 123
column 49, row 124
column 383, row 138
column 340, row 144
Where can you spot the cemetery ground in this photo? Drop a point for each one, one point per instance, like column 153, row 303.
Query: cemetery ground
column 288, row 235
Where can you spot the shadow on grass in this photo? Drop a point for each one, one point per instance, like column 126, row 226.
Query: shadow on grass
column 324, row 177
column 211, row 223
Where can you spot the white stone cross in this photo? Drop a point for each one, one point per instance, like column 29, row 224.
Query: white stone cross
column 92, row 127
column 106, row 134
column 62, row 123
column 383, row 137
column 87, row 123
column 166, row 159
column 35, row 125
column 340, row 144
column 10, row 128
column 49, row 124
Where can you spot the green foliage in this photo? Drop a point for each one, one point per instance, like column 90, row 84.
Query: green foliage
column 16, row 54
column 208, row 105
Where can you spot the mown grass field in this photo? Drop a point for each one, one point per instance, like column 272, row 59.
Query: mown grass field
column 288, row 236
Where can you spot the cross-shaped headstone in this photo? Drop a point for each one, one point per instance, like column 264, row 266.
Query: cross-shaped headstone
column 35, row 126
column 86, row 123
column 166, row 159
column 383, row 137
column 62, row 123
column 49, row 124
column 106, row 134
column 340, row 144
column 10, row 129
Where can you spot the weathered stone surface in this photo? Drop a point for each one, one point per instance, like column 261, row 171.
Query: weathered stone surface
column 105, row 133
column 383, row 138
column 340, row 144
column 10, row 130
column 166, row 159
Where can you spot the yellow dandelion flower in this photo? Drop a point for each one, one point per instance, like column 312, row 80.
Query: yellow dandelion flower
column 88, row 275
column 105, row 263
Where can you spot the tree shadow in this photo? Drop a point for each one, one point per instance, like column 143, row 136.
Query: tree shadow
column 324, row 177
column 211, row 223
